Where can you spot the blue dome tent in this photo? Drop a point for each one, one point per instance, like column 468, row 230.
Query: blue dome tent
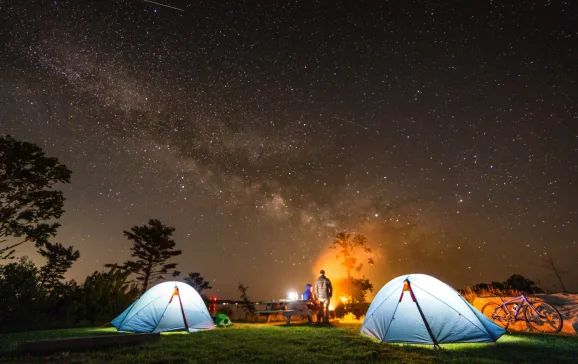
column 168, row 306
column 419, row 309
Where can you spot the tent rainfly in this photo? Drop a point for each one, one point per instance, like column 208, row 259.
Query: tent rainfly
column 419, row 309
column 168, row 306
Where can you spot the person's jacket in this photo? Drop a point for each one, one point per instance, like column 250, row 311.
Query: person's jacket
column 307, row 295
column 323, row 288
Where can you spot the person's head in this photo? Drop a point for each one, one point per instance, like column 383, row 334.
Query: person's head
column 322, row 272
column 308, row 287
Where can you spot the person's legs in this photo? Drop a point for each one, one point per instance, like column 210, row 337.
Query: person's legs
column 320, row 313
column 326, row 316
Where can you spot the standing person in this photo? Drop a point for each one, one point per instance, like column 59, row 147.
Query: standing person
column 324, row 292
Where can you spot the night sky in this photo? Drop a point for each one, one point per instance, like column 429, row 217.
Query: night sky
column 261, row 129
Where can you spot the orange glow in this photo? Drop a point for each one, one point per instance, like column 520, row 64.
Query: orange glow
column 328, row 261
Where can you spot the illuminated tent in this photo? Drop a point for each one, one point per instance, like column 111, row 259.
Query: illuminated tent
column 169, row 306
column 419, row 309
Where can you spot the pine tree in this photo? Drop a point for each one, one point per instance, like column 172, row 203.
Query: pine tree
column 198, row 282
column 152, row 248
column 59, row 261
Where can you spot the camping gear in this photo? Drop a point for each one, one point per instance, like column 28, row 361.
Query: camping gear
column 222, row 320
column 169, row 306
column 420, row 309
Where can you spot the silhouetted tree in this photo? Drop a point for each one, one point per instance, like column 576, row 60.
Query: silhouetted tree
column 549, row 264
column 523, row 284
column 198, row 282
column 360, row 288
column 107, row 294
column 20, row 294
column 248, row 306
column 349, row 247
column 59, row 260
column 28, row 205
column 153, row 248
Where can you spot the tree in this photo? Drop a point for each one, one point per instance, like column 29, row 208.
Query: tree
column 248, row 306
column 360, row 288
column 107, row 294
column 348, row 246
column 20, row 294
column 153, row 248
column 523, row 284
column 198, row 282
column 60, row 259
column 549, row 264
column 27, row 201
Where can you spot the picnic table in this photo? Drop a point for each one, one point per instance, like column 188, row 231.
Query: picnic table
column 290, row 309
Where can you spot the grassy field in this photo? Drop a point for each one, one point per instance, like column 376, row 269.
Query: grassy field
column 256, row 343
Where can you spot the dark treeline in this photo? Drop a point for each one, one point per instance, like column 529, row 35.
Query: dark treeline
column 38, row 296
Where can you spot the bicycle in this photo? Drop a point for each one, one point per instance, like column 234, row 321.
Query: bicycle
column 539, row 315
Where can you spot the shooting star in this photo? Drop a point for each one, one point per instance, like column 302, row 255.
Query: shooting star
column 351, row 122
column 165, row 5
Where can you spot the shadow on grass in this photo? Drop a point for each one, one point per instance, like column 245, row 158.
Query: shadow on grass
column 10, row 342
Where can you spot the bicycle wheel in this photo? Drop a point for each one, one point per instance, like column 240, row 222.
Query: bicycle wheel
column 497, row 313
column 548, row 319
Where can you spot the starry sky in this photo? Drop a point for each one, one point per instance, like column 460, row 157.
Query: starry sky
column 446, row 133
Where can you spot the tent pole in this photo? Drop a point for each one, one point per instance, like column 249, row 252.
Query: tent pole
column 436, row 345
column 183, row 311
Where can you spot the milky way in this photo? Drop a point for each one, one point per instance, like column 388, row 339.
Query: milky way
column 259, row 131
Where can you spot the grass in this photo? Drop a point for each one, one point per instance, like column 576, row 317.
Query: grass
column 255, row 343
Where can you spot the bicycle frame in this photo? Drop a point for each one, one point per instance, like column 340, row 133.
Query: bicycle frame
column 522, row 300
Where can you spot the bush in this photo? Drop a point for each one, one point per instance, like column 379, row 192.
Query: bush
column 515, row 285
column 356, row 309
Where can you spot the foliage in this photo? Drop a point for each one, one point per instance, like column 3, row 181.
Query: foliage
column 514, row 285
column 358, row 309
column 20, row 293
column 523, row 284
column 107, row 294
column 60, row 259
column 247, row 305
column 351, row 317
column 198, row 282
column 28, row 302
column 153, row 247
column 27, row 202
column 349, row 246
column 61, row 305
column 360, row 288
